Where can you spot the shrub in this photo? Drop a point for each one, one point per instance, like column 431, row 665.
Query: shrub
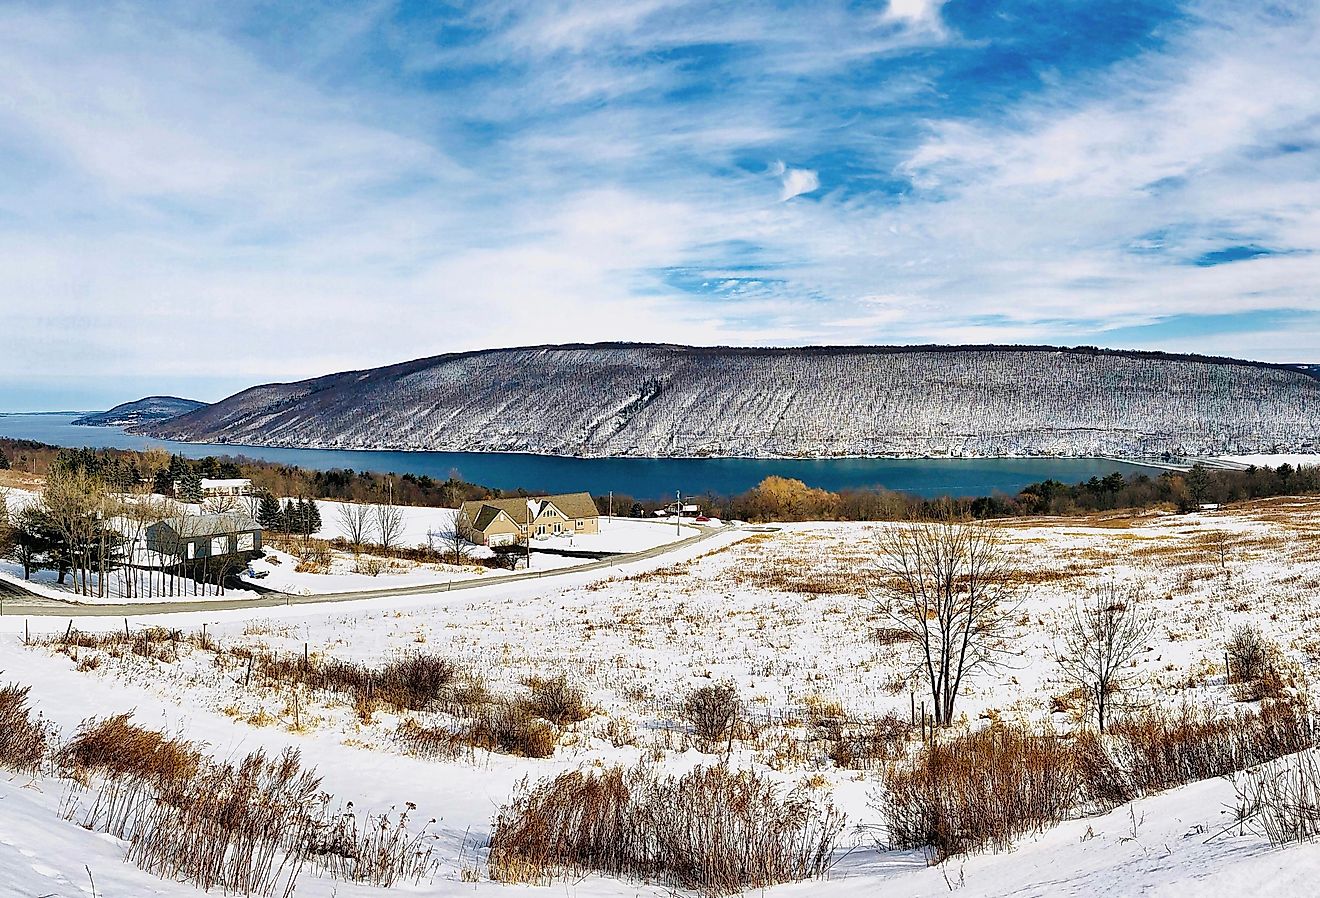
column 713, row 830
column 860, row 745
column 712, row 711
column 511, row 728
column 416, row 681
column 1249, row 653
column 22, row 739
column 554, row 700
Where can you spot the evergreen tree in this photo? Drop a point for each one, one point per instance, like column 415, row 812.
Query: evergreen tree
column 313, row 517
column 4, row 461
column 189, row 488
column 269, row 512
column 289, row 517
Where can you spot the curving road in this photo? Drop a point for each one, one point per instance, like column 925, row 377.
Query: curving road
column 16, row 601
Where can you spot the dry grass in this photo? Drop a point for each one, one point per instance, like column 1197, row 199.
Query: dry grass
column 23, row 740
column 714, row 831
column 980, row 791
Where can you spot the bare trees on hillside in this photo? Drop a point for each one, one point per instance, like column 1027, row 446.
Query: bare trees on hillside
column 949, row 584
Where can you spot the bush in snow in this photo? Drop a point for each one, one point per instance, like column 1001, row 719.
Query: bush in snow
column 22, row 739
column 712, row 711
column 713, row 830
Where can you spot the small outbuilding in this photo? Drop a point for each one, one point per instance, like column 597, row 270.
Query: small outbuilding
column 232, row 534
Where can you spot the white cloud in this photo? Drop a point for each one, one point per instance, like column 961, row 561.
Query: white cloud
column 794, row 181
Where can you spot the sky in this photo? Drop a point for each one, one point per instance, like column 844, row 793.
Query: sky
column 199, row 197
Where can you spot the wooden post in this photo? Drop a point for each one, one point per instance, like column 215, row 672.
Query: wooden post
column 67, row 631
column 26, row 640
column 912, row 700
column 1228, row 672
column 304, row 654
column 247, row 678
column 126, row 636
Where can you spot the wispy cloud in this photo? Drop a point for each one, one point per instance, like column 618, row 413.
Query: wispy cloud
column 238, row 194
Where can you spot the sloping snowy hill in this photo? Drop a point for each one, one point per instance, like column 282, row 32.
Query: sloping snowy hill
column 142, row 411
column 650, row 400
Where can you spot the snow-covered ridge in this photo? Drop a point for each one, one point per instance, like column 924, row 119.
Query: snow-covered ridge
column 142, row 411
column 652, row 400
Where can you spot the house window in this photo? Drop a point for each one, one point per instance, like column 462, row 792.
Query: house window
column 219, row 545
column 192, row 550
column 578, row 524
column 245, row 542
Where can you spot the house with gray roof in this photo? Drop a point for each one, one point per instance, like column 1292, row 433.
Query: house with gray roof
column 231, row 535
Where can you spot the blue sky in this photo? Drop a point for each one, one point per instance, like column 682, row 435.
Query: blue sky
column 197, row 197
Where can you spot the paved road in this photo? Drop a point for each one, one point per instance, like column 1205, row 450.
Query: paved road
column 17, row 602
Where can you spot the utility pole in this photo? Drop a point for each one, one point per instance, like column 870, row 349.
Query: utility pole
column 529, row 533
column 611, row 505
column 678, row 512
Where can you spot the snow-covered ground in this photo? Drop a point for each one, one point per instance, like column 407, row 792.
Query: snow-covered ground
column 783, row 614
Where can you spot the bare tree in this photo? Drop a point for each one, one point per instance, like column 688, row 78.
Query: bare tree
column 950, row 585
column 1104, row 632
column 456, row 542
column 389, row 525
column 356, row 520
column 221, row 504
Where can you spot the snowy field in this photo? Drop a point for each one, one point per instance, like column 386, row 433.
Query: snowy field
column 784, row 615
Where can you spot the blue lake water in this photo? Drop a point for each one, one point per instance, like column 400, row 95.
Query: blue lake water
column 648, row 478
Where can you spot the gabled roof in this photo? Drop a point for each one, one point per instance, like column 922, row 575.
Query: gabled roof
column 211, row 524
column 575, row 505
column 482, row 511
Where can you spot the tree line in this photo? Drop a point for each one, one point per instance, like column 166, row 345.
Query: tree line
column 785, row 499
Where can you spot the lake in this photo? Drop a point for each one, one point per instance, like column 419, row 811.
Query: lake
column 649, row 478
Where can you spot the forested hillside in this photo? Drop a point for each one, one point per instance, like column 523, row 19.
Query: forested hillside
column 648, row 400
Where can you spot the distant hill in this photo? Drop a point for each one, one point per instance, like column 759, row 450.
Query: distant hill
column 152, row 409
column 619, row 399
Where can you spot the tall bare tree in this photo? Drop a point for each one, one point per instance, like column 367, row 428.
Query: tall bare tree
column 389, row 525
column 1104, row 632
column 950, row 584
column 356, row 520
